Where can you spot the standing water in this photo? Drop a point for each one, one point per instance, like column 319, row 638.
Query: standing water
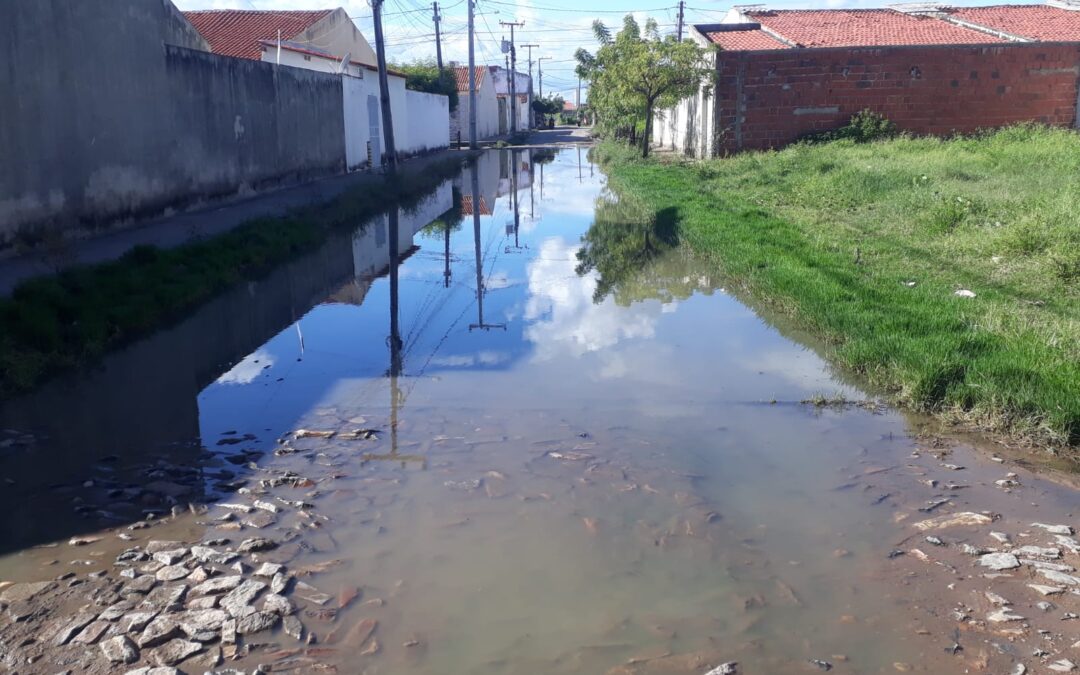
column 559, row 446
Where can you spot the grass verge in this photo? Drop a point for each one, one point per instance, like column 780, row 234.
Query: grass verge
column 51, row 324
column 866, row 246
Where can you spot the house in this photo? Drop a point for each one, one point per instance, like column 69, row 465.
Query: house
column 522, row 88
column 487, row 107
column 244, row 33
column 783, row 74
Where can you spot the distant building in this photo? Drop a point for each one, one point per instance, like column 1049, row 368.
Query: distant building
column 487, row 107
column 932, row 69
column 522, row 87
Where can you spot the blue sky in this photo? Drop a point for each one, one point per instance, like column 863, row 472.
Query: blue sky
column 559, row 27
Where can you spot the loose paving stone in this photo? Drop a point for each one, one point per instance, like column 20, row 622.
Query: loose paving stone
column 205, row 554
column 1062, row 666
column 72, row 628
column 92, row 633
column 965, row 518
column 730, row 668
column 218, row 585
column 172, row 573
column 1054, row 529
column 166, row 597
column 311, row 594
column 25, row 592
column 238, row 601
column 1046, row 590
column 268, row 569
column 142, row 584
column 205, row 602
column 292, row 627
column 146, row 670
column 203, row 625
column 135, row 622
column 171, row 557
column 279, row 583
column 117, row 610
column 228, row 632
column 256, row 544
column 1003, row 615
column 1060, row 577
column 160, row 630
column 278, row 604
column 174, row 652
column 120, row 649
column 999, row 561
column 1038, row 552
column 259, row 520
column 256, row 622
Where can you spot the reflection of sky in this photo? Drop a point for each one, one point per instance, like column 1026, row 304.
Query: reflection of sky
column 565, row 318
column 547, row 342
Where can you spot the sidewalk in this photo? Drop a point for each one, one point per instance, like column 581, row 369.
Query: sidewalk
column 174, row 230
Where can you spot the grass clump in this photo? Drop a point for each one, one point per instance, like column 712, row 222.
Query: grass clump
column 866, row 245
column 69, row 320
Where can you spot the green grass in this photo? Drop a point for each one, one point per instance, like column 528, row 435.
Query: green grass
column 51, row 324
column 834, row 234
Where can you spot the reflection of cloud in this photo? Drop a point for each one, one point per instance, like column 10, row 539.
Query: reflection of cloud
column 485, row 358
column 497, row 280
column 562, row 312
column 248, row 369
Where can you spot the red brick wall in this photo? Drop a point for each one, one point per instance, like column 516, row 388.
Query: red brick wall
column 768, row 99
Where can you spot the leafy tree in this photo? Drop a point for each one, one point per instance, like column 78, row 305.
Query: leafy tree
column 426, row 76
column 634, row 73
column 552, row 104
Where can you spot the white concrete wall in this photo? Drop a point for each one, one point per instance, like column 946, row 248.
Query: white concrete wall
column 688, row 127
column 428, row 122
column 337, row 34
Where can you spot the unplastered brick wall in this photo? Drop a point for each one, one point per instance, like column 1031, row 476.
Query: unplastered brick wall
column 768, row 99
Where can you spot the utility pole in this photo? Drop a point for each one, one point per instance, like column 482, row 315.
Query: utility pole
column 513, row 78
column 438, row 38
column 682, row 6
column 540, row 73
column 384, row 90
column 532, row 117
column 472, row 75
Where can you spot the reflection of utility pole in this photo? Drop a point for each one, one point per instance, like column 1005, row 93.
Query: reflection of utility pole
column 446, row 271
column 579, row 177
column 394, row 341
column 479, row 268
column 532, row 177
column 514, row 198
column 541, row 182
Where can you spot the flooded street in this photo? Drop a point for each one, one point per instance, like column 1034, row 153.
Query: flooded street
column 601, row 462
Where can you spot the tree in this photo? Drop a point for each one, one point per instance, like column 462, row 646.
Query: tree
column 633, row 74
column 552, row 104
column 426, row 76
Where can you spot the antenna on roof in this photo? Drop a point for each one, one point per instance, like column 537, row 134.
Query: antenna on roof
column 343, row 66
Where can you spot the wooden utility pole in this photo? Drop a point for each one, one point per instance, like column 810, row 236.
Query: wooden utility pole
column 513, row 78
column 682, row 7
column 384, row 90
column 532, row 117
column 438, row 38
column 472, row 75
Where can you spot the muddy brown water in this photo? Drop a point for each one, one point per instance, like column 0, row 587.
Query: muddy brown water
column 557, row 483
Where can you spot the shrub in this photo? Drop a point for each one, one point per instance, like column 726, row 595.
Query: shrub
column 865, row 126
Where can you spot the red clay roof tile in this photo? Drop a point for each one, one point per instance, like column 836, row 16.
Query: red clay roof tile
column 864, row 28
column 461, row 74
column 1037, row 22
column 238, row 32
column 745, row 40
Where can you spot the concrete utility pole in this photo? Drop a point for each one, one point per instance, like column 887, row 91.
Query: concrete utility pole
column 472, row 75
column 384, row 90
column 438, row 38
column 513, row 78
column 532, row 117
column 682, row 6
